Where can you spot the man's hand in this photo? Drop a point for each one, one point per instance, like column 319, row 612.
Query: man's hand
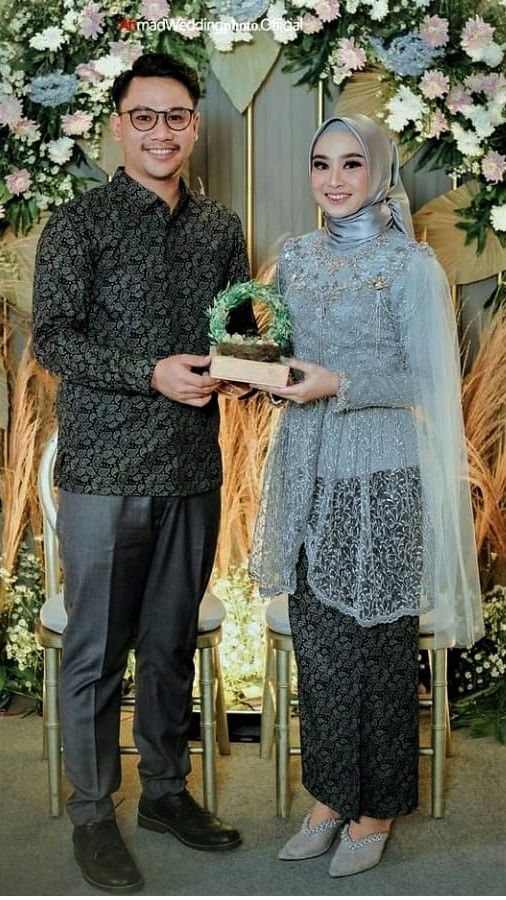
column 318, row 383
column 173, row 377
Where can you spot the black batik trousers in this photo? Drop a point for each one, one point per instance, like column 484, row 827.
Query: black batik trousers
column 358, row 702
column 135, row 569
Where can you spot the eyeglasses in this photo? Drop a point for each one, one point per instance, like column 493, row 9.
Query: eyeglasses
column 177, row 118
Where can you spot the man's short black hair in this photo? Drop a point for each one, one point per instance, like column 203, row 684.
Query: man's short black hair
column 156, row 65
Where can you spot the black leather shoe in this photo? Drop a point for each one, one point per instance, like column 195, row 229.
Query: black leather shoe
column 185, row 819
column 104, row 860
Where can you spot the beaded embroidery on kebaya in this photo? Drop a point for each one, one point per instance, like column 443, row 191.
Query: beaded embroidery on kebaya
column 342, row 476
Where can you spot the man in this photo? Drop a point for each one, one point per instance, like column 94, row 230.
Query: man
column 124, row 277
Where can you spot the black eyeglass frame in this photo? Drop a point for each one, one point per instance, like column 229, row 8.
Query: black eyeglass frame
column 158, row 113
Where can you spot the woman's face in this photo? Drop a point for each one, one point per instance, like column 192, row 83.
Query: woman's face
column 339, row 173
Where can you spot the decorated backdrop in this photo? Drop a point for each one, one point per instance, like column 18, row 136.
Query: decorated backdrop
column 432, row 71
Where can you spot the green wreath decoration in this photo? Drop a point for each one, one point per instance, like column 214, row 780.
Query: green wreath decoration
column 267, row 346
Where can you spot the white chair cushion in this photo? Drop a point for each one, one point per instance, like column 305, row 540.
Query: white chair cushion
column 211, row 613
column 427, row 622
column 276, row 615
column 53, row 615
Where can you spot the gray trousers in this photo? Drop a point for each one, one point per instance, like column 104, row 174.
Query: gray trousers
column 135, row 570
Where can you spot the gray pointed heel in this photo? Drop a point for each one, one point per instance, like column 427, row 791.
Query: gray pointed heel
column 352, row 857
column 311, row 840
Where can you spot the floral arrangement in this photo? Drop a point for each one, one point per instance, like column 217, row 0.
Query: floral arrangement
column 479, row 675
column 267, row 346
column 21, row 668
column 242, row 650
column 440, row 69
column 58, row 59
column 439, row 61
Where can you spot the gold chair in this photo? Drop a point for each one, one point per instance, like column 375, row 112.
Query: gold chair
column 277, row 702
column 49, row 630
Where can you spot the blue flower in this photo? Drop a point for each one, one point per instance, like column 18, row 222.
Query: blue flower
column 53, row 90
column 241, row 10
column 405, row 55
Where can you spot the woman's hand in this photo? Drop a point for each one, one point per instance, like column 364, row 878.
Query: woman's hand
column 318, row 383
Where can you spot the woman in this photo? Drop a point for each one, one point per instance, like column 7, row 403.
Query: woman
column 366, row 517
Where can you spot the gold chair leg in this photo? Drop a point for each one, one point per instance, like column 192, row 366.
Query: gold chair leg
column 448, row 727
column 53, row 731
column 268, row 718
column 44, row 714
column 221, row 709
column 282, row 732
column 439, row 693
column 208, row 726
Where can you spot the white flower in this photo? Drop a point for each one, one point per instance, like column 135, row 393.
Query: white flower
column 467, row 141
column 70, row 21
column 282, row 30
column 379, row 9
column 481, row 119
column 276, row 10
column 109, row 66
column 340, row 73
column 42, row 201
column 222, row 35
column 495, row 108
column 60, row 151
column 51, row 38
column 352, row 6
column 404, row 107
column 492, row 55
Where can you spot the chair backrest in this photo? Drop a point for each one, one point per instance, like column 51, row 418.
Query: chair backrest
column 47, row 499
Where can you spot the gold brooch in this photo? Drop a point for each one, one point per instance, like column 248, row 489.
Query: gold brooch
column 380, row 283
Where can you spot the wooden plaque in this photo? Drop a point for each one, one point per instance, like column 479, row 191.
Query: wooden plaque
column 231, row 368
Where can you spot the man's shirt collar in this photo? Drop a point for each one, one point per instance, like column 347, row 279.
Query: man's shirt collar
column 142, row 197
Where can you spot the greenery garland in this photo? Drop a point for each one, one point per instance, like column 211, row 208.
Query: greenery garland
column 279, row 330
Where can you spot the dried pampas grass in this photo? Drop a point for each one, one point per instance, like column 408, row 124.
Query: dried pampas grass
column 484, row 409
column 245, row 433
column 31, row 420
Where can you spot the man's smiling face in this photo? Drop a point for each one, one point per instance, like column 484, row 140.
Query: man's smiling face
column 161, row 153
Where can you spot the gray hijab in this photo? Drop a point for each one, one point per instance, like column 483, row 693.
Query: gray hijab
column 387, row 204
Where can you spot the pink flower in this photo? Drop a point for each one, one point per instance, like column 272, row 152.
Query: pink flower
column 11, row 110
column 474, row 83
column 477, row 35
column 92, row 19
column 434, row 31
column 327, row 10
column 349, row 55
column 87, row 72
column 129, row 51
column 434, row 84
column 18, row 182
column 154, row 9
column 493, row 166
column 77, row 123
column 311, row 24
column 437, row 123
column 458, row 99
column 493, row 84
column 27, row 128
